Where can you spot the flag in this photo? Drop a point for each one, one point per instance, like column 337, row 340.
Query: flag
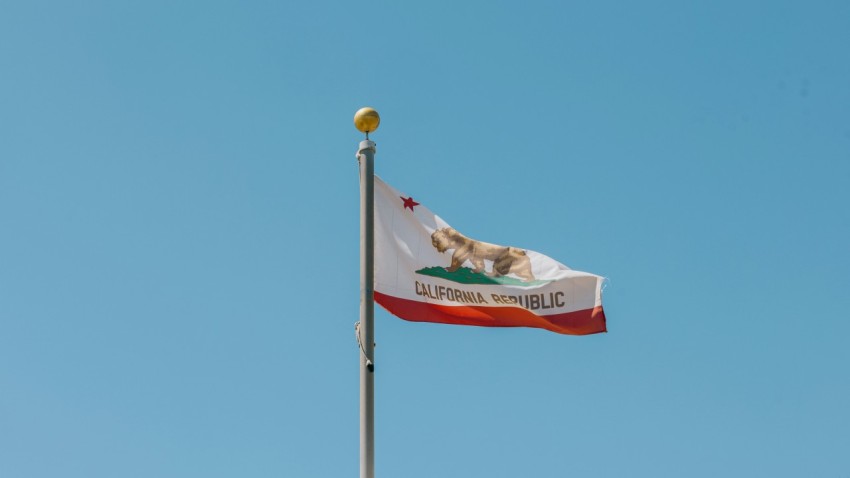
column 426, row 271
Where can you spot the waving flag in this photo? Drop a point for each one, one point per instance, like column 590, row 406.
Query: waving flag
column 426, row 271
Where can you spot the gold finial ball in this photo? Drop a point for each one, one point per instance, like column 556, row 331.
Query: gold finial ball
column 366, row 120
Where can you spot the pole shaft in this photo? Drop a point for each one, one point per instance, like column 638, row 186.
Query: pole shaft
column 366, row 156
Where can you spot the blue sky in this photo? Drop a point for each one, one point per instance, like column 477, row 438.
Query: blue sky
column 179, row 246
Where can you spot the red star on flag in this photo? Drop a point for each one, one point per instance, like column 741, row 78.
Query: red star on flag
column 409, row 202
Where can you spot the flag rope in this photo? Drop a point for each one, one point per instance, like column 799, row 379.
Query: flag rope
column 369, row 364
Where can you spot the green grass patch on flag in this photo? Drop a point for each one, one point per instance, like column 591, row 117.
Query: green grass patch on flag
column 465, row 275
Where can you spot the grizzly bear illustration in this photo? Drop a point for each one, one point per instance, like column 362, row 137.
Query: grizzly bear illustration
column 505, row 259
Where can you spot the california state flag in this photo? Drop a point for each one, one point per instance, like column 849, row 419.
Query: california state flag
column 426, row 271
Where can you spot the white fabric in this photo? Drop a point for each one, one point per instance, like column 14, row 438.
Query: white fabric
column 403, row 245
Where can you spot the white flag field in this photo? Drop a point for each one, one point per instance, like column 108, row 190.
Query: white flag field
column 426, row 271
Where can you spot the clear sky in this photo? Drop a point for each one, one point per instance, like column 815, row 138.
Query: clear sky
column 179, row 236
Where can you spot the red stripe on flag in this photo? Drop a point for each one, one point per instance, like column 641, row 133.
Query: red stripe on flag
column 580, row 322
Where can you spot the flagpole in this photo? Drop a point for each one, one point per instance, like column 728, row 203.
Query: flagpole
column 367, row 120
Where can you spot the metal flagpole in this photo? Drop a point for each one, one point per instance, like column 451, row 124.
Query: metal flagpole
column 367, row 120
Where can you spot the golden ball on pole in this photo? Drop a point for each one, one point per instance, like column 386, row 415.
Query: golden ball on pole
column 366, row 120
